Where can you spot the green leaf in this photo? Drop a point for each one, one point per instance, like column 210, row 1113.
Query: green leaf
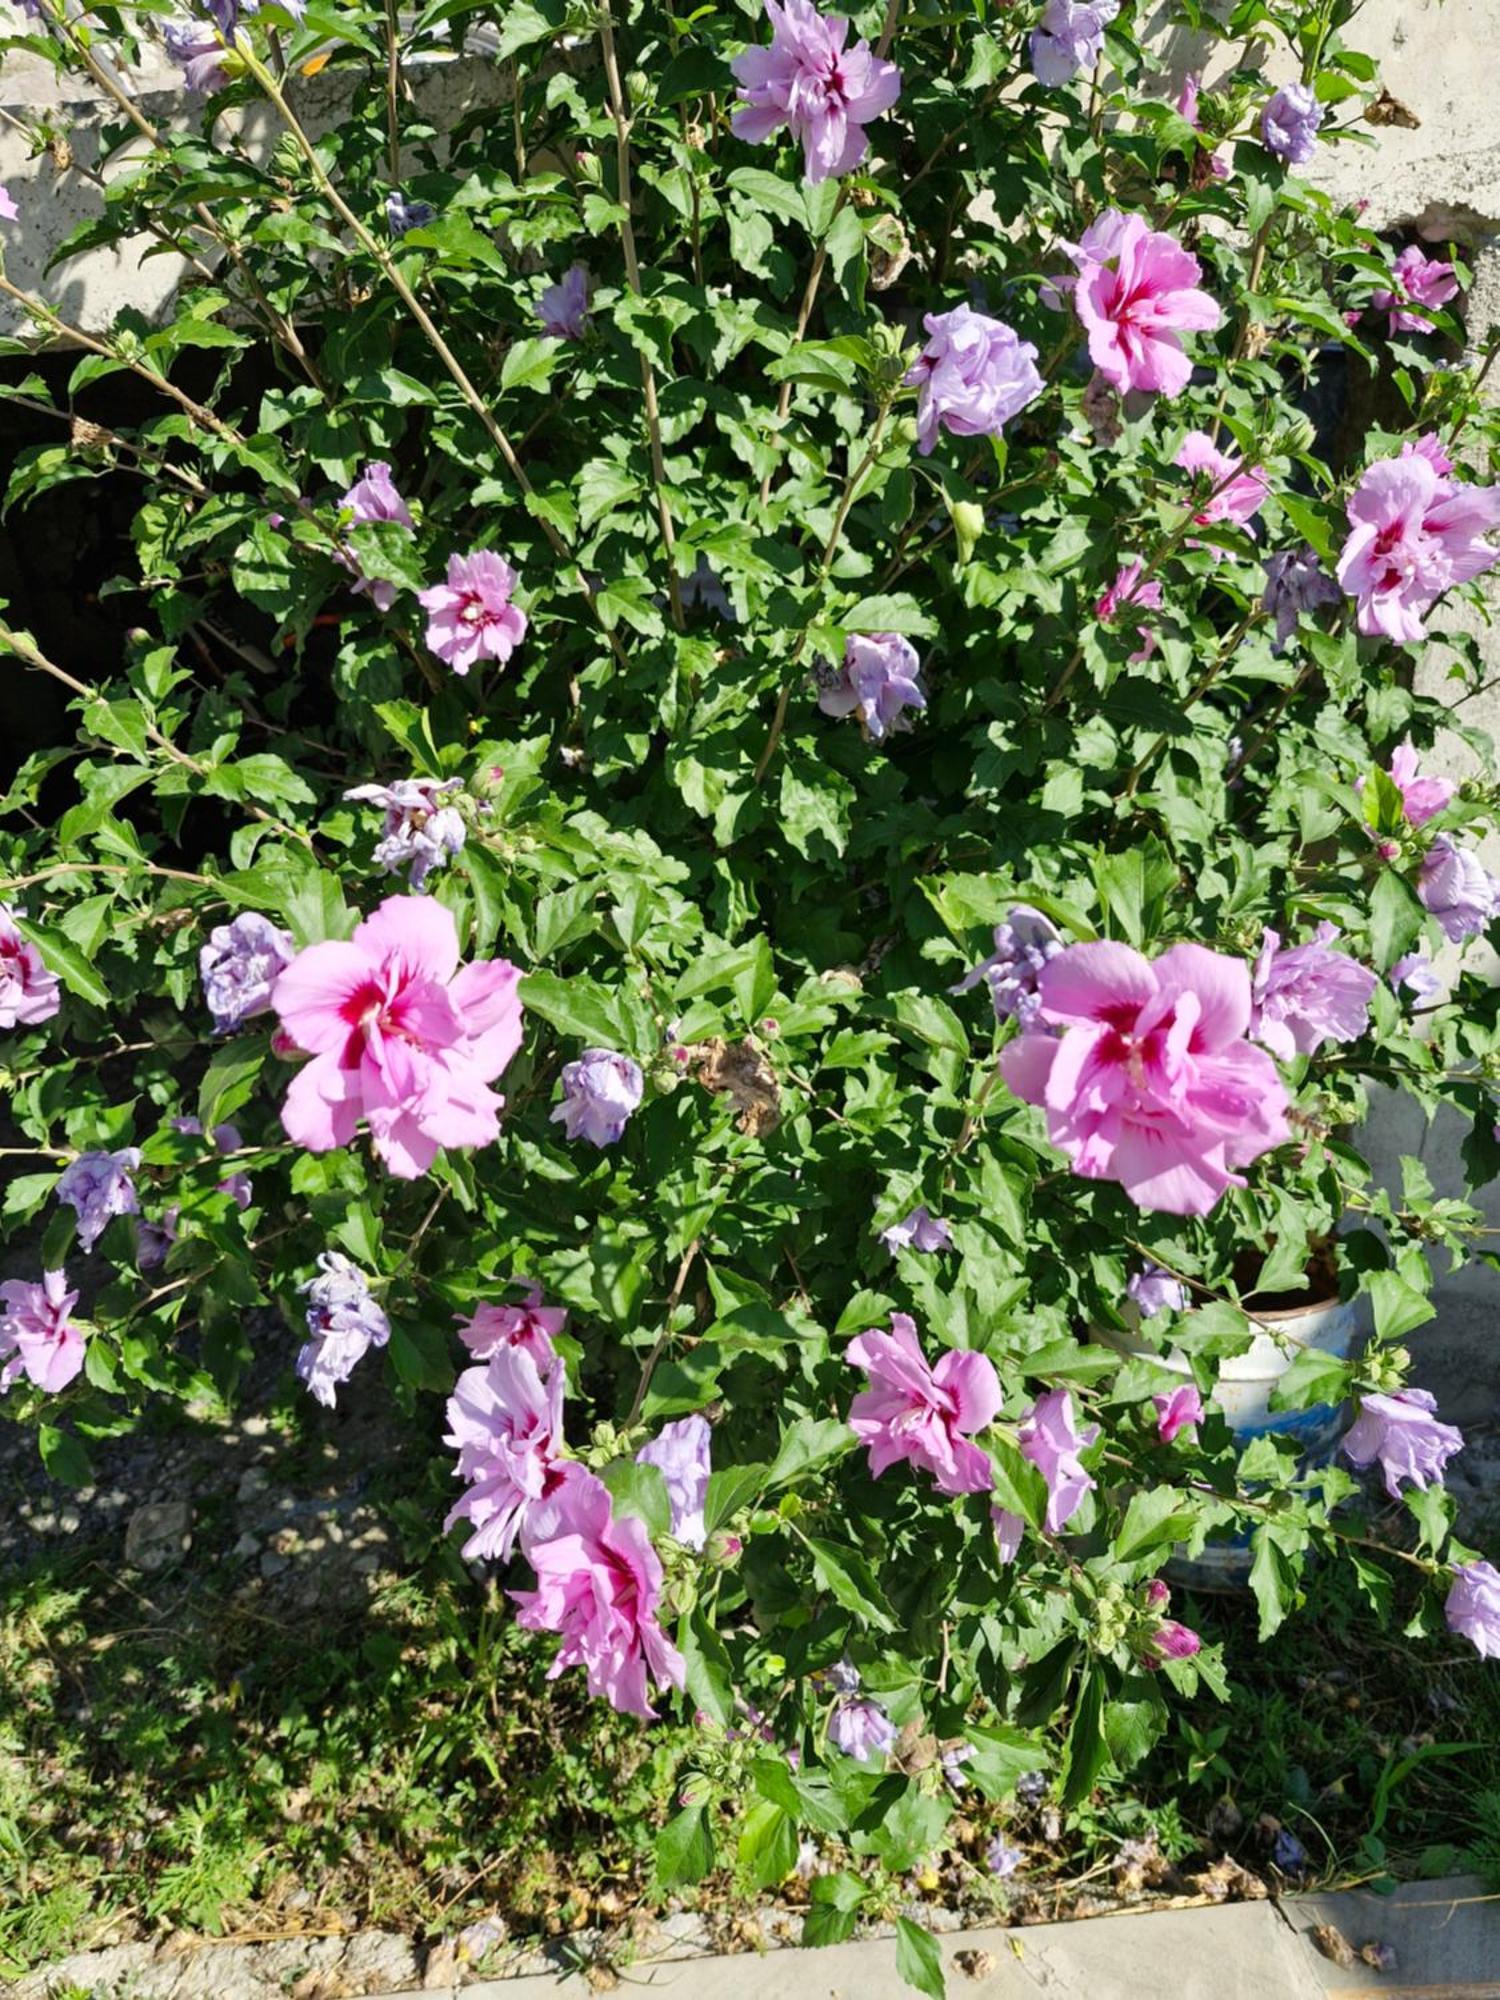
column 684, row 1848
column 911, row 1830
column 767, row 1845
column 582, row 1007
column 640, row 1490
column 1397, row 919
column 849, row 1579
column 63, row 958
column 419, row 1355
column 1156, row 1515
column 768, row 191
column 808, row 1799
column 1399, row 1309
column 806, row 1444
column 529, row 363
column 1019, row 1487
column 1273, row 1580
column 64, row 1457
column 834, row 1903
column 918, row 1960
column 1315, row 1376
column 888, row 614
column 709, row 1670
column 1087, row 1751
column 729, row 1489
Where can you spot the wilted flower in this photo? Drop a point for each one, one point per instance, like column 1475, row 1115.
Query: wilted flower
column 881, row 676
column 1295, row 582
column 240, row 964
column 345, row 1322
column 823, row 93
column 8, row 210
column 1415, row 973
column 1416, row 281
column 98, row 1186
column 37, row 1336
column 505, row 1422
column 974, row 374
column 420, row 831
column 919, row 1230
column 199, row 53
column 1287, row 1852
column 470, row 614
column 600, row 1092
column 1401, row 1432
column 922, row 1415
column 1024, row 944
column 1308, row 995
column 1003, row 1861
column 681, row 1453
column 28, row 991
column 1289, row 124
column 402, row 214
column 563, row 308
column 1458, row 889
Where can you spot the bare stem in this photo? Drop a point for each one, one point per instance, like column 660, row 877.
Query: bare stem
column 660, row 1347
column 626, row 195
column 393, row 90
column 804, row 316
column 392, row 274
column 25, row 649
column 830, row 547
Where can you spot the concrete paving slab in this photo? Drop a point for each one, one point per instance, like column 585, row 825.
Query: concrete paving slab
column 1242, row 1951
column 1445, row 1937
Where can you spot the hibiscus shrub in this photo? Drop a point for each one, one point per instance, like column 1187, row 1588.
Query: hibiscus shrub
column 765, row 813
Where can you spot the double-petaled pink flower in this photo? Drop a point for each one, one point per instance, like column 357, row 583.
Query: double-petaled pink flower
column 920, row 1414
column 1414, row 532
column 38, row 1338
column 470, row 616
column 505, row 1422
column 1422, row 797
column 1308, row 995
column 1229, row 493
column 1416, row 281
column 1125, row 599
column 28, row 991
column 529, row 1326
column 1135, row 293
column 598, row 1583
column 1151, row 1081
column 974, row 374
column 399, row 1035
column 807, row 80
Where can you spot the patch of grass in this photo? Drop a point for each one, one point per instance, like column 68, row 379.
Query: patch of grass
column 175, row 1755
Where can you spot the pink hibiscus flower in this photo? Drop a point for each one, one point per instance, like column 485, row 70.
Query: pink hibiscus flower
column 599, row 1585
column 1151, row 1082
column 823, row 93
column 1233, row 495
column 1418, row 281
column 1414, row 533
column 399, row 1035
column 1135, row 292
column 919, row 1413
column 470, row 615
